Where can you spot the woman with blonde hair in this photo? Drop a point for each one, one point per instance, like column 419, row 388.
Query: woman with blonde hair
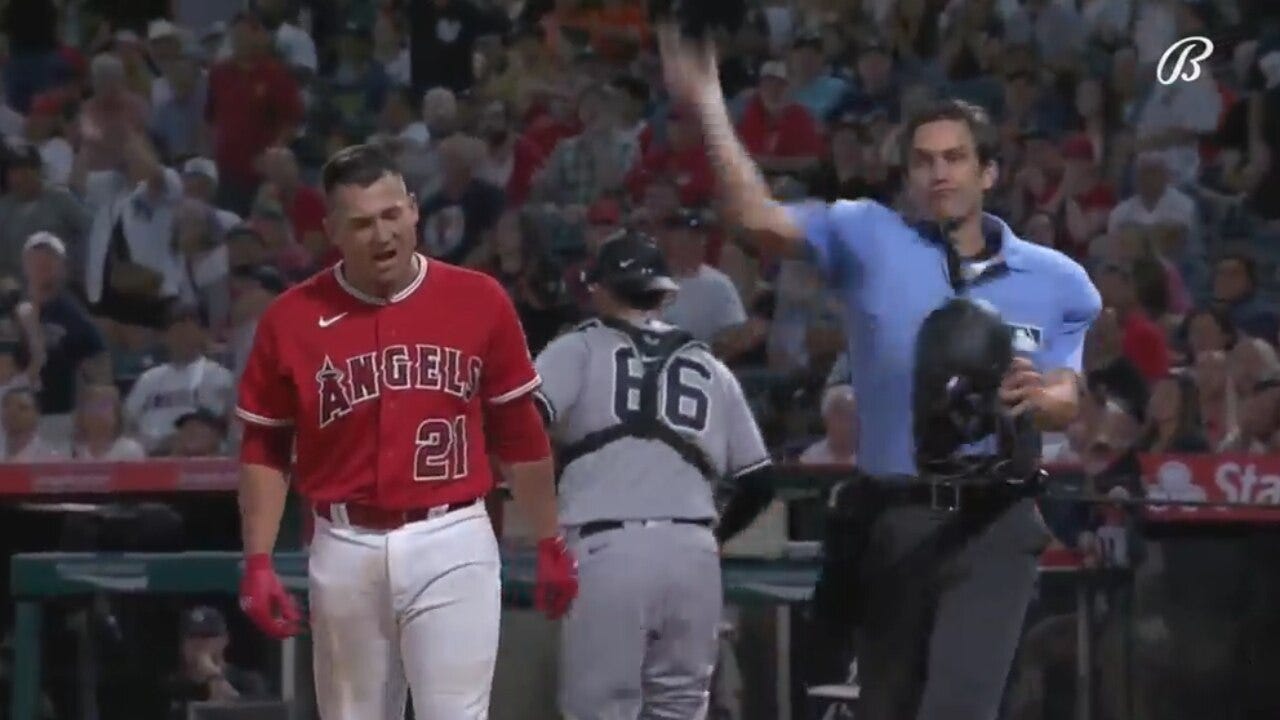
column 1219, row 400
column 99, row 422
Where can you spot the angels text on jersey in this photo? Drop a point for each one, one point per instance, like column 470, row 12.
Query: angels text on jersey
column 346, row 383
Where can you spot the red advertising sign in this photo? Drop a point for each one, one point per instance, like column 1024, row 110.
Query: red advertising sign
column 1216, row 488
column 91, row 478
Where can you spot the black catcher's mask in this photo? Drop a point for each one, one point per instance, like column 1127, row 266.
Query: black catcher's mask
column 962, row 353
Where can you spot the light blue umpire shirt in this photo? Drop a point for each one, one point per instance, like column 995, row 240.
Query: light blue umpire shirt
column 892, row 274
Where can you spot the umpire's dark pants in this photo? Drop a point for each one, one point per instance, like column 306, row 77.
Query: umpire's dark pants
column 941, row 626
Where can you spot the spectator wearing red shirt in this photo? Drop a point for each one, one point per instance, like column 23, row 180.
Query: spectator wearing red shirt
column 682, row 157
column 545, row 126
column 781, row 135
column 303, row 206
column 1143, row 342
column 254, row 103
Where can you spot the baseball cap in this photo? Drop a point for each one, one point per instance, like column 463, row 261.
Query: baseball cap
column 213, row 31
column 201, row 166
column 202, row 622
column 774, row 69
column 632, row 260
column 48, row 240
column 161, row 28
column 202, row 415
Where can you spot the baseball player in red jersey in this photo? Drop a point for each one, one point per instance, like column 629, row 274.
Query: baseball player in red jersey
column 393, row 378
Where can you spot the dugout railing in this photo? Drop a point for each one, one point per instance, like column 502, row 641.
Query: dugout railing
column 1172, row 615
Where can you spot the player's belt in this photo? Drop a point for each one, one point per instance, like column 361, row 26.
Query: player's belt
column 374, row 518
column 595, row 527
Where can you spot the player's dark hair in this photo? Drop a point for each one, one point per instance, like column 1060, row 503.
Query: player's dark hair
column 359, row 165
column 985, row 137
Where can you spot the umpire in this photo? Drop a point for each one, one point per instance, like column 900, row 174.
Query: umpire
column 938, row 635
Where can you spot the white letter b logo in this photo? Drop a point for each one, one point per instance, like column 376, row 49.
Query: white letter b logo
column 1183, row 59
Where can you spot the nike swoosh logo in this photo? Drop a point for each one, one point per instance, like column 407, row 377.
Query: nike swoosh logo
column 625, row 264
column 326, row 322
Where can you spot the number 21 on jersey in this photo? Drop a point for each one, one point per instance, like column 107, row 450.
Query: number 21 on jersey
column 684, row 400
column 442, row 450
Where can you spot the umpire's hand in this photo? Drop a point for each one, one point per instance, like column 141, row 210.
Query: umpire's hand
column 557, row 581
column 264, row 599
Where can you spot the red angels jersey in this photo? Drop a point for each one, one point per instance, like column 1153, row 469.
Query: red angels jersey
column 387, row 397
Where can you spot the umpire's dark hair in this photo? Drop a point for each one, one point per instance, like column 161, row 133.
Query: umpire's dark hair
column 359, row 165
column 985, row 137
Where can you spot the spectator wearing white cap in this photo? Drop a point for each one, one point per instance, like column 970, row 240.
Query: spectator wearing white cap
column 29, row 206
column 166, row 43
column 74, row 350
column 200, row 182
column 780, row 134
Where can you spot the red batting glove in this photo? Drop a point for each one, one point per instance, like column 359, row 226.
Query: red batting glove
column 557, row 583
column 265, row 600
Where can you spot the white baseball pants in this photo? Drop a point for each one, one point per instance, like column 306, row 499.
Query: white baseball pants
column 413, row 608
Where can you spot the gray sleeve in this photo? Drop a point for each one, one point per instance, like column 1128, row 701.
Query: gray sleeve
column 746, row 448
column 562, row 365
column 734, row 313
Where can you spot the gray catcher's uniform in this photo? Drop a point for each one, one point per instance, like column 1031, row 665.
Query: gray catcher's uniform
column 647, row 420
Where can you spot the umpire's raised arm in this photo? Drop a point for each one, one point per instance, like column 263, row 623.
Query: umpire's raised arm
column 693, row 80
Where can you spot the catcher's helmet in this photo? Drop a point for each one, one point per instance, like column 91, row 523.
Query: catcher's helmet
column 630, row 265
column 963, row 351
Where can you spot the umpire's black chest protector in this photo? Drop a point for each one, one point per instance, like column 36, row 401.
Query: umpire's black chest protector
column 654, row 349
column 963, row 351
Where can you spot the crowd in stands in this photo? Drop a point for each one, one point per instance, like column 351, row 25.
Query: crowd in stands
column 159, row 166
